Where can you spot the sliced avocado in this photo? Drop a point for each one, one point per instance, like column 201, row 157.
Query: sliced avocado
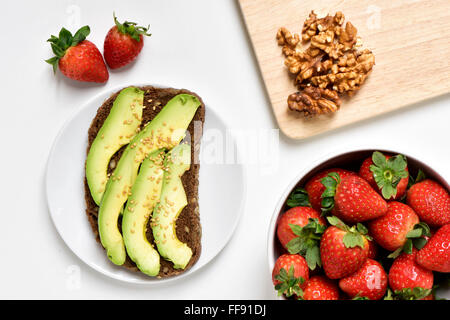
column 166, row 130
column 145, row 193
column 119, row 128
column 166, row 212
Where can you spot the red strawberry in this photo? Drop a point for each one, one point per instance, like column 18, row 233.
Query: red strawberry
column 299, row 231
column 297, row 216
column 351, row 198
column 343, row 250
column 315, row 188
column 123, row 43
column 386, row 174
column 320, row 288
column 431, row 202
column 435, row 255
column 77, row 58
column 369, row 281
column 390, row 230
column 290, row 274
column 408, row 279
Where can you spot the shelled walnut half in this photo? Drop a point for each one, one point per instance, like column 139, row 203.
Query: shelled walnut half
column 331, row 65
column 313, row 101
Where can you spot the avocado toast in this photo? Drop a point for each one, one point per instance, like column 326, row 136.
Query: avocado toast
column 151, row 101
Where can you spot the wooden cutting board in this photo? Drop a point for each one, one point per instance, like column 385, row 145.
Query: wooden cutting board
column 410, row 40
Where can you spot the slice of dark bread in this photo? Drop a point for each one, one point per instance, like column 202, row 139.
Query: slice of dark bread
column 188, row 226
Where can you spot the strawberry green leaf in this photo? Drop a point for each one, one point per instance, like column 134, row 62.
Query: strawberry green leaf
column 398, row 163
column 330, row 183
column 419, row 243
column 416, row 293
column 58, row 51
column 307, row 241
column 65, row 38
column 289, row 284
column 296, row 229
column 352, row 239
column 420, row 176
column 312, row 257
column 379, row 159
column 54, row 62
column 298, row 198
column 388, row 173
column 425, row 228
column 131, row 29
column 80, row 35
column 295, row 245
column 358, row 297
column 396, row 253
column 361, row 228
column 414, row 233
column 408, row 246
column 335, row 221
column 416, row 237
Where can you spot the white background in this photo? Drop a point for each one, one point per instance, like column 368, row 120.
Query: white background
column 202, row 46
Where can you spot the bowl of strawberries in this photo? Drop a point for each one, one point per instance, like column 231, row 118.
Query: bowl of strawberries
column 363, row 225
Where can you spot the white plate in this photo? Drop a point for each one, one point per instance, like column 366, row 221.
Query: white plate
column 221, row 193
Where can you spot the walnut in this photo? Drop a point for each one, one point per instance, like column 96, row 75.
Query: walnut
column 313, row 101
column 288, row 41
column 304, row 64
column 348, row 74
column 331, row 65
column 313, row 25
column 347, row 37
column 326, row 42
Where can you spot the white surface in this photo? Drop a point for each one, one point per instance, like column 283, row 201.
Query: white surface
column 66, row 196
column 200, row 45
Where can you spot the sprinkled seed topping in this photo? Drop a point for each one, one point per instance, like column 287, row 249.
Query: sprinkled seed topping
column 112, row 164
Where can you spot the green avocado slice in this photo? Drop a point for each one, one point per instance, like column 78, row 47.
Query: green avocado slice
column 118, row 129
column 145, row 193
column 165, row 131
column 166, row 212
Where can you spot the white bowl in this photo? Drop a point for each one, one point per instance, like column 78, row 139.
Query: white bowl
column 351, row 159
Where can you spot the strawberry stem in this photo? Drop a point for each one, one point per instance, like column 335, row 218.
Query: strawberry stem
column 388, row 172
column 330, row 183
column 131, row 29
